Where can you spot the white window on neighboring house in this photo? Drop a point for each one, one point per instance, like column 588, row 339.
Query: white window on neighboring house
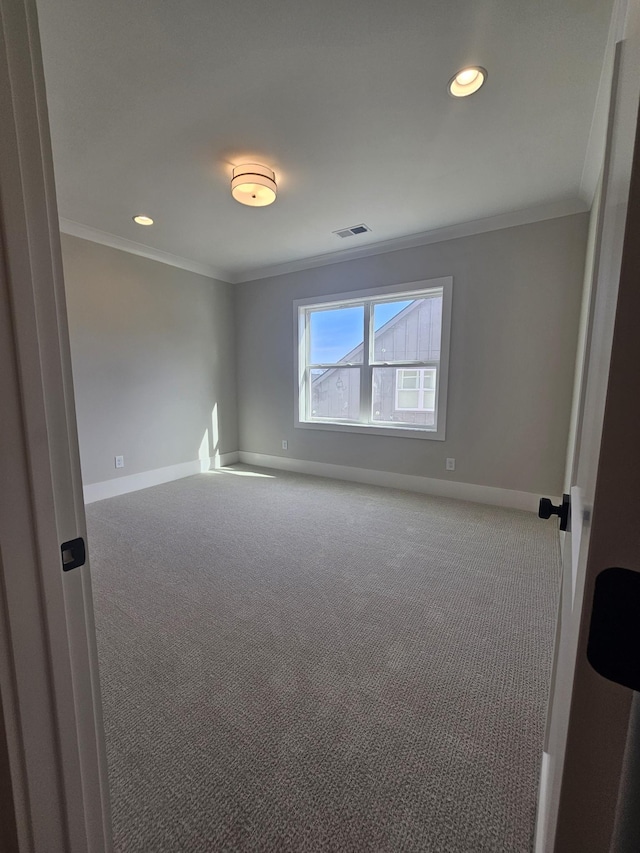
column 375, row 361
column 416, row 389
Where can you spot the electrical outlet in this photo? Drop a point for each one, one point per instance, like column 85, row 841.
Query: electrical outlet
column 119, row 461
column 450, row 464
column 285, row 444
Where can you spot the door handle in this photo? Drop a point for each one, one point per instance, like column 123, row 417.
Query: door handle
column 547, row 509
column 614, row 632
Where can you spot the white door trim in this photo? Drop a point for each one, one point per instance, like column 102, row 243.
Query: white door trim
column 49, row 683
column 589, row 714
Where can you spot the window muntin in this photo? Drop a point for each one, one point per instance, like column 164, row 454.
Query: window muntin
column 375, row 361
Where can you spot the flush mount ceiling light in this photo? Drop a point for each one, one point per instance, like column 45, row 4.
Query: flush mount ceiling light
column 467, row 81
column 254, row 185
column 141, row 219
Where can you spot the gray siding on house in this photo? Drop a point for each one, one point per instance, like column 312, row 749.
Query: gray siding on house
column 413, row 335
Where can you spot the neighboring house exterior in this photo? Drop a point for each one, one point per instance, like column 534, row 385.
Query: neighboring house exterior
column 400, row 395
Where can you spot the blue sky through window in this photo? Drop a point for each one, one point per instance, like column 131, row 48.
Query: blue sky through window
column 383, row 313
column 336, row 332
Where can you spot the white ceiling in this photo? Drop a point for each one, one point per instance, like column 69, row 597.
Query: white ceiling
column 151, row 103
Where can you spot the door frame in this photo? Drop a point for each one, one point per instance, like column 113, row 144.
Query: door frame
column 587, row 728
column 49, row 685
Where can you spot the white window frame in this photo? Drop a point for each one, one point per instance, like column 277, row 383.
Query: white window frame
column 420, row 389
column 301, row 309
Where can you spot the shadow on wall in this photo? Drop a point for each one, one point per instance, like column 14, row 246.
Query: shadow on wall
column 209, row 452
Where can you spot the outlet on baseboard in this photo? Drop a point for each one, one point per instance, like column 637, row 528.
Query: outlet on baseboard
column 119, row 460
column 285, row 444
column 450, row 464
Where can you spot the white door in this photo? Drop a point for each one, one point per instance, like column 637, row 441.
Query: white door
column 588, row 721
column 52, row 751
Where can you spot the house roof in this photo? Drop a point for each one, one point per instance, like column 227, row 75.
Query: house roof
column 151, row 105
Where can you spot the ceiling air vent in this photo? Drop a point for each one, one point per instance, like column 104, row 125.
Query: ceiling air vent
column 353, row 231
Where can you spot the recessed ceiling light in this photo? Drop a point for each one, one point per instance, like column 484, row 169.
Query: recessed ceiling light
column 141, row 219
column 467, row 81
column 254, row 185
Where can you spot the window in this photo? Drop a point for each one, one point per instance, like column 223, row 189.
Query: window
column 375, row 361
column 416, row 390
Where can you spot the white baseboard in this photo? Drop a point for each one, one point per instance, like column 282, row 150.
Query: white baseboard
column 134, row 482
column 409, row 482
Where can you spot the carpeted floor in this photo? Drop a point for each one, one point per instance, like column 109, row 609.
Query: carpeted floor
column 291, row 663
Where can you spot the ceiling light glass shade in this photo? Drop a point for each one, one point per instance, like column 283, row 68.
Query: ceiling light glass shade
column 467, row 81
column 254, row 185
column 141, row 219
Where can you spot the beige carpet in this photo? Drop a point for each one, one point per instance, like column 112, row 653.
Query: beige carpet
column 291, row 663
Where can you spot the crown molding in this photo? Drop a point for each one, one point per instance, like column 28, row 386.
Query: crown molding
column 554, row 210
column 86, row 232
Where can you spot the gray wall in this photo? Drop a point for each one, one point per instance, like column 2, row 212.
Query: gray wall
column 516, row 304
column 153, row 352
